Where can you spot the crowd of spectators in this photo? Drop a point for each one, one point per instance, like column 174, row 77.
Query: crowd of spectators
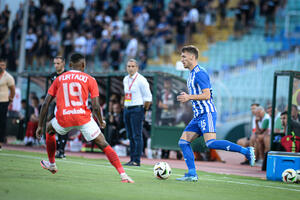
column 100, row 31
column 247, row 10
column 97, row 31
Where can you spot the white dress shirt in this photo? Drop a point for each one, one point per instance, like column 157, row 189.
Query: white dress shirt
column 140, row 90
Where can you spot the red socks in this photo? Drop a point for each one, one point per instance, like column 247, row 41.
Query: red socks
column 51, row 147
column 113, row 158
column 109, row 152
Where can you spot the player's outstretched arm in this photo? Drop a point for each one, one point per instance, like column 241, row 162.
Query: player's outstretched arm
column 98, row 112
column 43, row 115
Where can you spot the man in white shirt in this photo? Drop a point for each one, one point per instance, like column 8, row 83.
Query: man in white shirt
column 80, row 44
column 137, row 100
column 7, row 93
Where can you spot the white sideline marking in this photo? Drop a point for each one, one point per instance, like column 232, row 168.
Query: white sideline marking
column 141, row 170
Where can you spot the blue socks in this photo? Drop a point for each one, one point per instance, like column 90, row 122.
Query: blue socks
column 188, row 156
column 226, row 145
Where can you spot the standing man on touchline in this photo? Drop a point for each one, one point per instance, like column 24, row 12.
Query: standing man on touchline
column 137, row 99
column 205, row 115
column 7, row 93
column 72, row 90
column 59, row 64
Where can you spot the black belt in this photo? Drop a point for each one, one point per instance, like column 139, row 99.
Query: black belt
column 132, row 107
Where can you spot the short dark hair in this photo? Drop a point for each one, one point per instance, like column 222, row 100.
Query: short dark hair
column 3, row 60
column 255, row 104
column 284, row 113
column 76, row 57
column 191, row 49
column 60, row 57
column 35, row 99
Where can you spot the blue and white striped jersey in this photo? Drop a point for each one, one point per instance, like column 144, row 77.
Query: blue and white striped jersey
column 197, row 81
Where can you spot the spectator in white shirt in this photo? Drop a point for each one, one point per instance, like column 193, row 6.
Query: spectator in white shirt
column 193, row 16
column 117, row 27
column 80, row 44
column 132, row 48
column 137, row 100
column 30, row 41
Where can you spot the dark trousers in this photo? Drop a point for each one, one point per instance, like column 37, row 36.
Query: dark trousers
column 61, row 143
column 21, row 131
column 3, row 118
column 133, row 119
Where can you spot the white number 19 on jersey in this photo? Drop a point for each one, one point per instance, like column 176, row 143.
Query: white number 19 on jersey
column 73, row 92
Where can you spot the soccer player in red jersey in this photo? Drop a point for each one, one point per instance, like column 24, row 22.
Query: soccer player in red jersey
column 72, row 90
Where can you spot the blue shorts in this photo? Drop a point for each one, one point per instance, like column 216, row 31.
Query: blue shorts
column 205, row 123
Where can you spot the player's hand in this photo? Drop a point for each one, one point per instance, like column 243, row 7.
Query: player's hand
column 38, row 133
column 183, row 97
column 102, row 124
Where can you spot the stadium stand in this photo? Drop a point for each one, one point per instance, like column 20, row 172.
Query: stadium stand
column 242, row 68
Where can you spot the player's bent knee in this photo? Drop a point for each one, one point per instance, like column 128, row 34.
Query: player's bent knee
column 189, row 136
column 100, row 141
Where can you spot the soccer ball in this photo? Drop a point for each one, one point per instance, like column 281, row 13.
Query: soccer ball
column 298, row 175
column 289, row 176
column 162, row 170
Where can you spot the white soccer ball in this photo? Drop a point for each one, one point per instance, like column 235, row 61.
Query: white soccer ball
column 289, row 176
column 162, row 170
column 298, row 175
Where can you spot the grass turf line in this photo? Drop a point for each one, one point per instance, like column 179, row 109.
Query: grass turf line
column 21, row 177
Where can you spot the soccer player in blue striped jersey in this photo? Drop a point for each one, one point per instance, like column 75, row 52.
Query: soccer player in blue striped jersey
column 205, row 115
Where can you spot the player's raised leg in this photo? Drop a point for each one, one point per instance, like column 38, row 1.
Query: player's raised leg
column 212, row 143
column 207, row 125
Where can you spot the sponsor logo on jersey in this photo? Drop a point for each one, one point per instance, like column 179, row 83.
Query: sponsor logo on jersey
column 73, row 112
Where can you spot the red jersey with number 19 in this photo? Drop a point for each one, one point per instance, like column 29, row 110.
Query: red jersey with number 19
column 71, row 90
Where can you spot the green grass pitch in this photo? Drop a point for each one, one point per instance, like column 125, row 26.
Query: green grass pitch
column 21, row 177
